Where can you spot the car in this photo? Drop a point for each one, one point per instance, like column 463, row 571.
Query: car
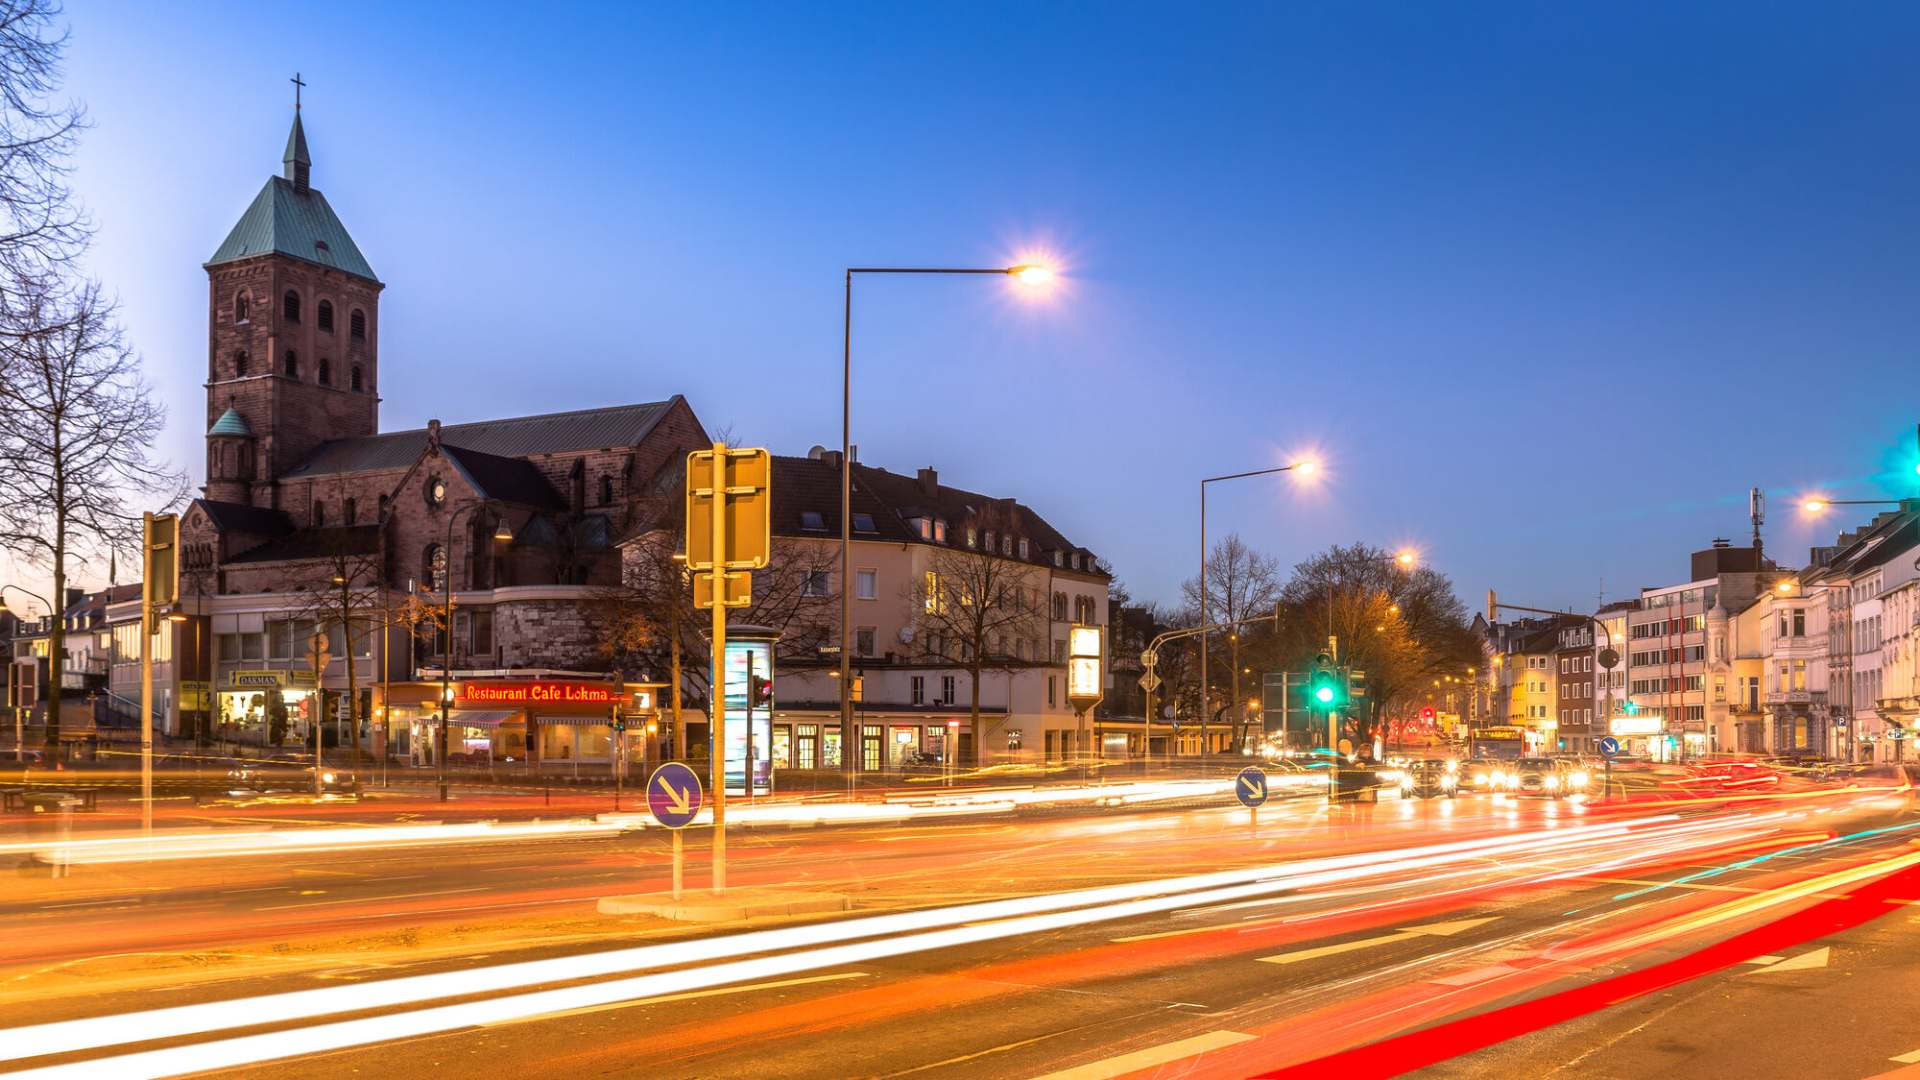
column 283, row 775
column 1546, row 776
column 1430, row 779
column 1487, row 774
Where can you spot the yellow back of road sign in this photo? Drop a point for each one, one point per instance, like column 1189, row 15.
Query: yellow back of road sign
column 745, row 488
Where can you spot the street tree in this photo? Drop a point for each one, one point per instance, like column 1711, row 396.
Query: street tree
column 1241, row 583
column 980, row 612
column 78, row 426
column 346, row 594
column 41, row 228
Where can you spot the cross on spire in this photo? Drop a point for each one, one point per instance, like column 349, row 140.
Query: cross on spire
column 297, row 85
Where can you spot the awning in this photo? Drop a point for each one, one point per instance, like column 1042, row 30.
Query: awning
column 475, row 718
column 576, row 721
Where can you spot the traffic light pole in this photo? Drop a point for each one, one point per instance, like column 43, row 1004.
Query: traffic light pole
column 1150, row 657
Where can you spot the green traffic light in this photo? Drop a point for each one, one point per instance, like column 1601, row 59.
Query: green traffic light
column 1323, row 695
column 1631, row 708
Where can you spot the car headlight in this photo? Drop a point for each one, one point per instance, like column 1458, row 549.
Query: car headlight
column 1553, row 782
column 1449, row 781
column 326, row 778
column 1578, row 779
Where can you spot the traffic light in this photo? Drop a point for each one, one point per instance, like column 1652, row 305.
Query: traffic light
column 1324, row 685
column 759, row 692
column 1630, row 708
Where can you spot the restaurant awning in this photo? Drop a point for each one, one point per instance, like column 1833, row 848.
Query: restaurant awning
column 574, row 721
column 478, row 718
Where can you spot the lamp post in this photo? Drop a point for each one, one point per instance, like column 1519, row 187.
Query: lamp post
column 502, row 534
column 1304, row 468
column 1027, row 272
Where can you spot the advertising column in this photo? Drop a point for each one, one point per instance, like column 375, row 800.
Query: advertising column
column 749, row 710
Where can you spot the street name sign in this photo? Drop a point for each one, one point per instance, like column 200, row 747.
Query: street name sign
column 674, row 795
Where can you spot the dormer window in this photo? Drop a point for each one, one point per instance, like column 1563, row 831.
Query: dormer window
column 926, row 528
column 1056, row 558
column 973, row 537
column 863, row 523
column 989, row 541
column 1006, row 544
column 1076, row 560
column 812, row 521
column 939, row 531
column 1024, row 551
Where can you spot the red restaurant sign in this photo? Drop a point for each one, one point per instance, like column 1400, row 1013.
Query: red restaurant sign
column 543, row 693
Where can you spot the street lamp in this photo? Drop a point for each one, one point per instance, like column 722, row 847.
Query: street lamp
column 1305, row 467
column 1818, row 505
column 1027, row 273
column 501, row 534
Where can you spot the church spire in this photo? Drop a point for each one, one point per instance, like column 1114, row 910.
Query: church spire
column 297, row 163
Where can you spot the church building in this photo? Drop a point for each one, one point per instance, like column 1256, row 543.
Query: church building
column 305, row 494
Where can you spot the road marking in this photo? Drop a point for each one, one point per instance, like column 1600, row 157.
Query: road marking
column 1816, row 958
column 369, row 899
column 1444, row 929
column 1907, row 1059
column 688, row 996
column 1229, row 928
column 1148, row 1058
column 1763, row 960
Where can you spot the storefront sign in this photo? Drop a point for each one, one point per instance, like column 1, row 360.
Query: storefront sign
column 1626, row 726
column 543, row 693
column 271, row 677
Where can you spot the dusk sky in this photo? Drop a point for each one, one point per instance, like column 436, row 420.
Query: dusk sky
column 1547, row 292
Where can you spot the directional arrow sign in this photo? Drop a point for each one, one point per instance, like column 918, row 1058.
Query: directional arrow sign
column 1250, row 787
column 1609, row 746
column 674, row 795
column 1149, row 681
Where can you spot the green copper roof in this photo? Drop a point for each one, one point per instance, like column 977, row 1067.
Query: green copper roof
column 296, row 147
column 231, row 423
column 285, row 221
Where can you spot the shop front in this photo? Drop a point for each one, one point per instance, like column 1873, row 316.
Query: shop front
column 267, row 707
column 555, row 723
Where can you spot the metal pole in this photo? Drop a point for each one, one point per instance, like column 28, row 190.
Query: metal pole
column 849, row 741
column 1206, row 714
column 716, row 695
column 146, row 680
column 678, row 863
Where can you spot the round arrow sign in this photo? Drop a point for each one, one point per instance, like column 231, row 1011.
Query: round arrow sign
column 1609, row 746
column 674, row 795
column 1250, row 787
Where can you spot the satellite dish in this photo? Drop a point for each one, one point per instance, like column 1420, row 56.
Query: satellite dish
column 906, row 635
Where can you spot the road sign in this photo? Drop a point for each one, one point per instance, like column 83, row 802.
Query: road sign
column 1609, row 746
column 1609, row 658
column 1149, row 681
column 1250, row 787
column 674, row 796
column 746, row 494
column 738, row 591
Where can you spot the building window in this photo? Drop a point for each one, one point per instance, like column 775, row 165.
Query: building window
column 926, row 528
column 1006, row 544
column 918, row 689
column 319, row 515
column 606, row 489
column 939, row 531
column 812, row 521
column 866, row 584
column 990, row 535
column 290, row 306
column 1059, row 607
column 863, row 523
column 482, row 640
column 323, row 315
column 357, row 381
column 436, row 491
column 1051, row 680
column 240, row 307
column 863, row 641
column 357, row 325
column 817, row 583
column 326, row 372
column 351, row 507
column 1023, row 547
column 973, row 537
column 947, row 696
column 290, row 365
column 240, row 364
column 433, row 567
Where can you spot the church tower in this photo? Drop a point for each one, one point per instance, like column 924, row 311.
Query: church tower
column 293, row 335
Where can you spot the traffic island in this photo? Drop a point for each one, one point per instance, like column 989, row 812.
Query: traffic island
column 736, row 905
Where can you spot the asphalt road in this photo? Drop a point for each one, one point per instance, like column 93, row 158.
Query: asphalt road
column 1471, row 937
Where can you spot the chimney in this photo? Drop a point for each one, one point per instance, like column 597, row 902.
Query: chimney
column 831, row 458
column 75, row 597
column 929, row 482
column 433, row 434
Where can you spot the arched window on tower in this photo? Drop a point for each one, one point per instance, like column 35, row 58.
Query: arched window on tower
column 240, row 304
column 290, row 306
column 606, row 489
column 290, row 365
column 358, row 380
column 357, row 325
column 240, row 364
column 326, row 372
column 323, row 316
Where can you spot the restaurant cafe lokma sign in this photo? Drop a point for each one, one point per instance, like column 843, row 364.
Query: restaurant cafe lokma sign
column 542, row 693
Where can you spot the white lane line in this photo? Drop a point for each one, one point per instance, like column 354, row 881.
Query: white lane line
column 1404, row 933
column 695, row 994
column 373, row 899
column 1912, row 1058
column 1148, row 1058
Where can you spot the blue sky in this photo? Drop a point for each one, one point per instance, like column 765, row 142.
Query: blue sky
column 1548, row 288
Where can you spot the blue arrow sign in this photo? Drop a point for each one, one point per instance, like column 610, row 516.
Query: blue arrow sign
column 1609, row 746
column 674, row 795
column 1250, row 787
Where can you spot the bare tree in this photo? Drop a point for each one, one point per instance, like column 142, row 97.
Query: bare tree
column 1241, row 583
column 346, row 594
column 975, row 610
column 77, row 427
column 40, row 227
